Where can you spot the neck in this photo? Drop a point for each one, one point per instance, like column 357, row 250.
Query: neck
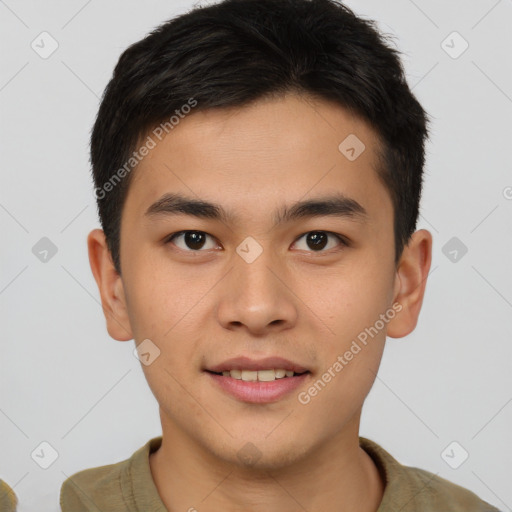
column 337, row 476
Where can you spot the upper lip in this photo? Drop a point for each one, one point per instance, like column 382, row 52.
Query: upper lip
column 246, row 363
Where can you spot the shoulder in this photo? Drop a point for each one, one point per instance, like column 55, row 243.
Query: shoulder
column 441, row 494
column 413, row 489
column 93, row 487
column 105, row 487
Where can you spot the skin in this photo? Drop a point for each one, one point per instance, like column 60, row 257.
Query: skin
column 203, row 306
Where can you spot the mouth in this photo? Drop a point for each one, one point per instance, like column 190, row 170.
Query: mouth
column 264, row 381
column 267, row 375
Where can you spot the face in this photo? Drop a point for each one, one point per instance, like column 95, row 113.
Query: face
column 251, row 275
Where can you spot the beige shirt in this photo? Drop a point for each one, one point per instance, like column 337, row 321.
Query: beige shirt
column 129, row 487
column 8, row 499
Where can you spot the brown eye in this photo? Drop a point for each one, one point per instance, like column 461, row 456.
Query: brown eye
column 191, row 240
column 316, row 241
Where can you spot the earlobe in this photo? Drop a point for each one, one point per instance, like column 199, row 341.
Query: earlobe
column 110, row 286
column 410, row 282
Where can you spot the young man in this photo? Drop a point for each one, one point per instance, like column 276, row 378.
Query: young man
column 258, row 170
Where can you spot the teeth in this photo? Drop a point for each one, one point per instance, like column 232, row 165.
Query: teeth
column 249, row 376
column 266, row 375
column 260, row 375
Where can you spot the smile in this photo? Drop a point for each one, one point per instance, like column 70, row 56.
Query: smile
column 258, row 387
column 260, row 375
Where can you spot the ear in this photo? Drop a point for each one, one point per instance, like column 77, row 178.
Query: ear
column 110, row 285
column 410, row 282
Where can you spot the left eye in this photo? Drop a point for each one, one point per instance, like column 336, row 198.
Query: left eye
column 318, row 240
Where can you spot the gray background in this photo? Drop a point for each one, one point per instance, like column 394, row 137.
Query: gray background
column 64, row 381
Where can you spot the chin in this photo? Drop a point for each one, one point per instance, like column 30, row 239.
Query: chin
column 261, row 453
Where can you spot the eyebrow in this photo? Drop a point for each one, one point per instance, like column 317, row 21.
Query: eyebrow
column 337, row 205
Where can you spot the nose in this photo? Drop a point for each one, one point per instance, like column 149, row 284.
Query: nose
column 257, row 297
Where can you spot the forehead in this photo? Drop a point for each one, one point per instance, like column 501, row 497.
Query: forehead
column 262, row 156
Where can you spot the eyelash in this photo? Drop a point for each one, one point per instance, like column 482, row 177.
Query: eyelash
column 343, row 240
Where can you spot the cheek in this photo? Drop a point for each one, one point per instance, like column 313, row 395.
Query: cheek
column 353, row 304
column 335, row 400
column 160, row 300
column 344, row 379
column 163, row 305
column 349, row 300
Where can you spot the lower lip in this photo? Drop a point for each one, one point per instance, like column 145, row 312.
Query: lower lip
column 256, row 391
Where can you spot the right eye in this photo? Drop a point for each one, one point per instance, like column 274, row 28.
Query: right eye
column 190, row 241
